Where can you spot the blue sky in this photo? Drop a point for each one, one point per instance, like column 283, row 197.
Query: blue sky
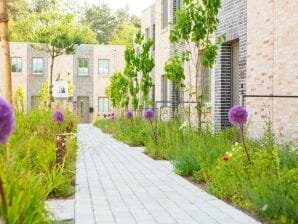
column 136, row 6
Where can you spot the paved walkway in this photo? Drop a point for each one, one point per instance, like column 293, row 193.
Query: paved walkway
column 118, row 184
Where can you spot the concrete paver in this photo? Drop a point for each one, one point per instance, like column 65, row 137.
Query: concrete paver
column 117, row 184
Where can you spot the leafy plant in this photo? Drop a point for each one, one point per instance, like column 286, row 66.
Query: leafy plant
column 196, row 23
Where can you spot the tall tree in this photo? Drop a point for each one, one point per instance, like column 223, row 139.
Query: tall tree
column 5, row 51
column 57, row 34
column 18, row 9
column 102, row 21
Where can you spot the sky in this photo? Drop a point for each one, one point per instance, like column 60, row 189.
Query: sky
column 135, row 6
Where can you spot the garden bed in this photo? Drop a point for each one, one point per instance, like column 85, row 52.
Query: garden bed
column 29, row 170
column 266, row 187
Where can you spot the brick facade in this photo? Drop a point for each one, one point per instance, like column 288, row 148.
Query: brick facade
column 92, row 86
column 233, row 23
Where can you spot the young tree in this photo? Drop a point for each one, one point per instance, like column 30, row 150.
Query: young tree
column 196, row 23
column 118, row 91
column 139, row 64
column 57, row 34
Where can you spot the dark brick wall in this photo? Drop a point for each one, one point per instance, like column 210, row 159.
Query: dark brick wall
column 233, row 23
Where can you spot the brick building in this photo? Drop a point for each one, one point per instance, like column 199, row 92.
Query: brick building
column 89, row 71
column 258, row 57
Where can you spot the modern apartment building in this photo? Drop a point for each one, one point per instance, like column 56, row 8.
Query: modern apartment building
column 89, row 71
column 256, row 65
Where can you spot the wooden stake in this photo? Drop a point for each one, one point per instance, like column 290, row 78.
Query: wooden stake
column 6, row 66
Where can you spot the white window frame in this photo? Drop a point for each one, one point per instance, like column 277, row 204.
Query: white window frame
column 85, row 73
column 99, row 104
column 101, row 70
column 42, row 66
column 12, row 63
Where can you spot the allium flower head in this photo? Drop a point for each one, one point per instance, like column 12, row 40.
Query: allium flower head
column 149, row 114
column 129, row 114
column 7, row 121
column 104, row 115
column 98, row 115
column 237, row 115
column 58, row 117
column 109, row 115
column 112, row 114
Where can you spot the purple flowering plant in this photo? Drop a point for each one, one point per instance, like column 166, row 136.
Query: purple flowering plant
column 238, row 117
column 7, row 121
column 58, row 117
column 149, row 115
column 7, row 125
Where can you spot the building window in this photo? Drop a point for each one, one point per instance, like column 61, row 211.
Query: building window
column 83, row 67
column 177, row 4
column 37, row 66
column 35, row 100
column 103, row 67
column 164, row 90
column 147, row 33
column 206, row 76
column 16, row 65
column 103, row 104
column 164, row 13
column 153, row 35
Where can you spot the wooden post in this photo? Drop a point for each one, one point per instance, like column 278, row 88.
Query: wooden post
column 6, row 67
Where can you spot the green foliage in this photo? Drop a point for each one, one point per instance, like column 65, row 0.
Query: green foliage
column 139, row 64
column 196, row 24
column 44, row 96
column 28, row 167
column 111, row 27
column 266, row 187
column 118, row 91
column 174, row 69
column 19, row 100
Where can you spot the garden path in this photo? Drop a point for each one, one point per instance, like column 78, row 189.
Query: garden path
column 121, row 185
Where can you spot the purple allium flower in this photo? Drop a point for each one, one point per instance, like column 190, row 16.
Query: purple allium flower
column 104, row 115
column 7, row 121
column 149, row 114
column 98, row 115
column 129, row 114
column 112, row 114
column 237, row 115
column 58, row 117
column 109, row 115
column 112, row 118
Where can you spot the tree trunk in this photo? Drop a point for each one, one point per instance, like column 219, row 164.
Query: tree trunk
column 51, row 82
column 198, row 95
column 7, row 84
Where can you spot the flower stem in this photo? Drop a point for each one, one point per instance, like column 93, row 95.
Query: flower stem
column 154, row 132
column 244, row 143
column 2, row 194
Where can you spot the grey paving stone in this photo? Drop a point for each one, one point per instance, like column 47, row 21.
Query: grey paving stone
column 118, row 184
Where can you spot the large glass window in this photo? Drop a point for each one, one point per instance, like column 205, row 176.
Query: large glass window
column 164, row 13
column 37, row 66
column 83, row 66
column 164, row 90
column 103, row 104
column 16, row 65
column 206, row 75
column 103, row 67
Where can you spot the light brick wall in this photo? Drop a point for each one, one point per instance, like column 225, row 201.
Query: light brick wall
column 115, row 55
column 273, row 67
column 92, row 85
